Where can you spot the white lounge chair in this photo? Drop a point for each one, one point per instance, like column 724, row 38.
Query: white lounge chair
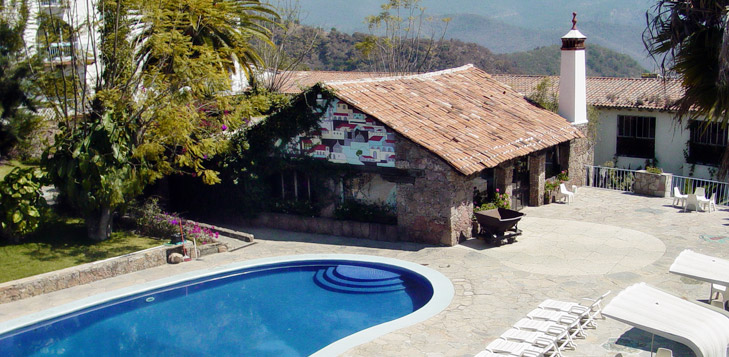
column 492, row 354
column 704, row 330
column 565, row 339
column 566, row 194
column 678, row 198
column 534, row 338
column 692, row 201
column 587, row 314
column 566, row 319
column 519, row 349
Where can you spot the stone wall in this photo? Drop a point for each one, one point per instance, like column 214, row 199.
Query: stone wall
column 581, row 153
column 504, row 177
column 537, row 178
column 322, row 225
column 436, row 207
column 658, row 185
column 82, row 274
column 90, row 272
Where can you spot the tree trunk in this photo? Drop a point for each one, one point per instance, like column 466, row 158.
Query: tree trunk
column 98, row 224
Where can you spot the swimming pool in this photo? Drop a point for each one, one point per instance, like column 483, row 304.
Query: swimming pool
column 290, row 306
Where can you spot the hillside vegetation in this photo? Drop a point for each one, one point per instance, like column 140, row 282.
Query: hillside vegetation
column 335, row 51
column 509, row 26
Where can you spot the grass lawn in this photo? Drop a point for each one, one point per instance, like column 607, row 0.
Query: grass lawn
column 62, row 244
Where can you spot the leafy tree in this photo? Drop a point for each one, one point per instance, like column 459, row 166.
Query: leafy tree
column 293, row 43
column 17, row 120
column 160, row 105
column 399, row 40
column 690, row 39
column 21, row 202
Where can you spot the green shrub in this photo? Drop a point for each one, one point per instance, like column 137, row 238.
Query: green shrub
column 302, row 207
column 21, row 202
column 153, row 222
column 501, row 200
column 354, row 210
column 654, row 170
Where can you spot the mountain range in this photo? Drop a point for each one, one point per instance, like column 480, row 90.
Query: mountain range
column 508, row 26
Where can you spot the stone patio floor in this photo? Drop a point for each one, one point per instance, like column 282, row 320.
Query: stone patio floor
column 605, row 240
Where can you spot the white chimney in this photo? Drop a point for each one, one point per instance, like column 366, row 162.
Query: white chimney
column 572, row 91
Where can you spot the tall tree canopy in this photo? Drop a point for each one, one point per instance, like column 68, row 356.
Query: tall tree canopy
column 16, row 98
column 161, row 103
column 690, row 38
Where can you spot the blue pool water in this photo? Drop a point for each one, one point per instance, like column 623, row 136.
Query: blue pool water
column 287, row 309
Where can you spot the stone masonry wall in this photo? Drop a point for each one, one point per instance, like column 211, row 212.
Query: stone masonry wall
column 537, row 178
column 658, row 185
column 436, row 208
column 582, row 153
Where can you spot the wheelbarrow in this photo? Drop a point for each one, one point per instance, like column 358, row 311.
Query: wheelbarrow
column 498, row 225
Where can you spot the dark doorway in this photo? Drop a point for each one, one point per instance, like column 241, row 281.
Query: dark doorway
column 520, row 184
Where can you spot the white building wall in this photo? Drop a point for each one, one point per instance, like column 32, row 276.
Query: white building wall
column 670, row 143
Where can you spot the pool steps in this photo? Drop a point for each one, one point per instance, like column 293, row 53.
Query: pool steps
column 344, row 279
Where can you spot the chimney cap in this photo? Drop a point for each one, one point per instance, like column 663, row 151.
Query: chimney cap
column 574, row 33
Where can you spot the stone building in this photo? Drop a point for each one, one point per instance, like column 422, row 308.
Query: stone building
column 424, row 141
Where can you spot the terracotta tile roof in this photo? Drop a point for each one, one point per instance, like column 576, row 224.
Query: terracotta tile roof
column 609, row 92
column 462, row 115
column 295, row 81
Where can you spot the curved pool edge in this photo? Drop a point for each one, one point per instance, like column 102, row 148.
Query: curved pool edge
column 443, row 293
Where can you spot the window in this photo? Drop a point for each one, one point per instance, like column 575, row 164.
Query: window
column 636, row 136
column 707, row 143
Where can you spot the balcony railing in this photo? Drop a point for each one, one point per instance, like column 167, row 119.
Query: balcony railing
column 610, row 178
column 720, row 190
column 51, row 2
column 59, row 51
column 623, row 180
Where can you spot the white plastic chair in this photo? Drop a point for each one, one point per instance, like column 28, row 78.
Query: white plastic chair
column 708, row 203
column 664, row 352
column 566, row 194
column 678, row 198
column 692, row 201
column 700, row 193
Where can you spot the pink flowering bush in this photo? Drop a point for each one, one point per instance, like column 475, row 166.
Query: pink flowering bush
column 152, row 221
column 499, row 200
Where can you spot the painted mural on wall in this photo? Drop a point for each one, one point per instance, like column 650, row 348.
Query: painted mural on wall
column 346, row 135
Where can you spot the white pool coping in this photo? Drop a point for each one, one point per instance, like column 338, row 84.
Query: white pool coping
column 442, row 295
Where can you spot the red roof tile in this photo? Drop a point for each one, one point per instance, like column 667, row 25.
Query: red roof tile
column 462, row 115
column 295, row 81
column 609, row 92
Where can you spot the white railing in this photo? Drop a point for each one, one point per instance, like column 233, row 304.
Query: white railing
column 58, row 50
column 622, row 180
column 51, row 2
column 610, row 178
column 687, row 185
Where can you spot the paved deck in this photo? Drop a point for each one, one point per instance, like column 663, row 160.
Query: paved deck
column 605, row 240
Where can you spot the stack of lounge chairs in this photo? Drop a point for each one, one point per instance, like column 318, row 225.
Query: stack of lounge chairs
column 547, row 330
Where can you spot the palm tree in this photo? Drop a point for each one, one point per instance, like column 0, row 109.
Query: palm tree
column 224, row 27
column 690, row 39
